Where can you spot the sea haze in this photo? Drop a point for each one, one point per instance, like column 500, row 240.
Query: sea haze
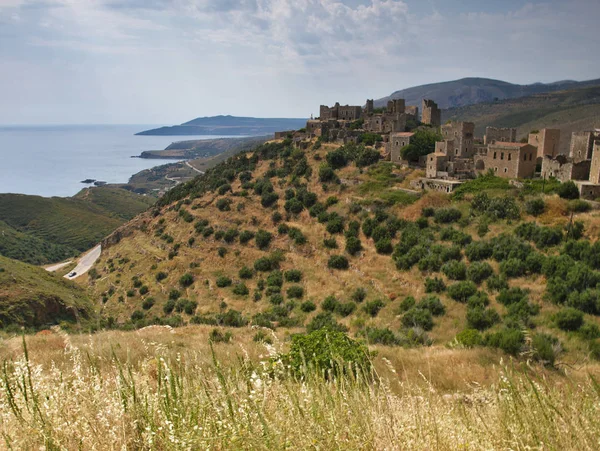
column 53, row 160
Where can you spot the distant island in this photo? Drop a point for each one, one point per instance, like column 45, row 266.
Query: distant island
column 229, row 126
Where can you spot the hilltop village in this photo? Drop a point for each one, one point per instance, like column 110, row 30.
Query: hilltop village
column 458, row 155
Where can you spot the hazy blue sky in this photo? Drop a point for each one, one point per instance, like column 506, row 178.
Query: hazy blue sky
column 168, row 61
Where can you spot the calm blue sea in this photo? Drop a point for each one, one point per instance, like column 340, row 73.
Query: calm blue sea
column 53, row 160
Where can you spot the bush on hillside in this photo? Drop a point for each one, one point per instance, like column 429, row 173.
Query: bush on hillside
column 568, row 190
column 186, row 280
column 263, row 239
column 535, row 207
column 328, row 352
column 372, row 308
column 325, row 320
column 223, row 282
column 462, row 291
column 417, row 317
column 569, row 319
column 338, row 262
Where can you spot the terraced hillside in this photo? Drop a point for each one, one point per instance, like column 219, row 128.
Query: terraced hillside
column 33, row 298
column 569, row 110
column 331, row 237
column 42, row 230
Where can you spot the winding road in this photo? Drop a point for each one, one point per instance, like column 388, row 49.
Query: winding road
column 187, row 163
column 58, row 266
column 85, row 263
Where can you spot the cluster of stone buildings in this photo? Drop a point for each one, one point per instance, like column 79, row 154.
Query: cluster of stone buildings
column 347, row 123
column 461, row 155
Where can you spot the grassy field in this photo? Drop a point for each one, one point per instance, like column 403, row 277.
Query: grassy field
column 44, row 230
column 569, row 111
column 169, row 389
column 31, row 297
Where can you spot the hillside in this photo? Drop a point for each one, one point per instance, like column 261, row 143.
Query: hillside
column 279, row 238
column 469, row 91
column 34, row 298
column 204, row 148
column 229, row 126
column 570, row 110
column 42, row 230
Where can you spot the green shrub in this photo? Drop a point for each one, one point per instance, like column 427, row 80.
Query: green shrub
column 482, row 318
column 589, row 331
column 359, row 295
column 295, row 292
column 417, row 317
column 497, row 283
column 144, row 290
column 479, row 271
column 513, row 267
column 545, row 348
column 263, row 264
column 245, row 273
column 246, row 236
column 372, row 308
column 345, row 308
column 186, row 280
column 230, row 235
column 268, row 199
column 455, row 270
column 535, row 207
column 275, row 279
column 469, row 338
column 383, row 336
column 224, row 204
column 462, row 291
column 407, row 303
column 338, row 262
column 138, row 315
column 569, row 319
column 435, row 285
column 513, row 295
column 384, row 246
column 353, row 245
column 433, row 304
column 330, row 304
column 579, row 206
column 447, row 215
column 174, row 294
column 148, row 303
column 293, row 275
column 169, row 306
column 241, row 290
column 325, row 320
column 223, row 282
column 216, row 336
column 276, row 299
column 221, row 252
column 330, row 243
column 263, row 239
column 510, row 341
column 308, row 306
column 161, row 275
column 568, row 190
column 327, row 352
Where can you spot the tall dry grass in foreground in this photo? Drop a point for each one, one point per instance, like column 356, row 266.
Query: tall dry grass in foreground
column 91, row 400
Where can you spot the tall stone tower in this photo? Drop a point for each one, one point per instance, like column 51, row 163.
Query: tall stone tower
column 432, row 115
column 370, row 106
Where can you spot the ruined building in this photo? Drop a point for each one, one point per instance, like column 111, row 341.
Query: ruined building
column 338, row 112
column 431, row 114
column 463, row 135
column 495, row 134
column 582, row 144
column 546, row 141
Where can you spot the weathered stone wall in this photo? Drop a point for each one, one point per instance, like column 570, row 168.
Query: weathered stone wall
column 436, row 163
column 581, row 146
column 412, row 110
column 547, row 142
column 370, row 106
column 589, row 190
column 396, row 106
column 431, row 114
column 463, row 134
column 509, row 160
column 564, row 169
column 595, row 164
column 495, row 134
column 349, row 113
column 397, row 142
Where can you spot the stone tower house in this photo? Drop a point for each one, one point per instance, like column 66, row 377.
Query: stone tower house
column 431, row 115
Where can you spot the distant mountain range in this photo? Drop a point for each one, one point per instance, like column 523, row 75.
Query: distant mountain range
column 229, row 126
column 470, row 91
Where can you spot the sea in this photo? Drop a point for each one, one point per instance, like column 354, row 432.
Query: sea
column 54, row 160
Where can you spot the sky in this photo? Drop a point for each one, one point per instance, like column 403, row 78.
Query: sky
column 169, row 61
